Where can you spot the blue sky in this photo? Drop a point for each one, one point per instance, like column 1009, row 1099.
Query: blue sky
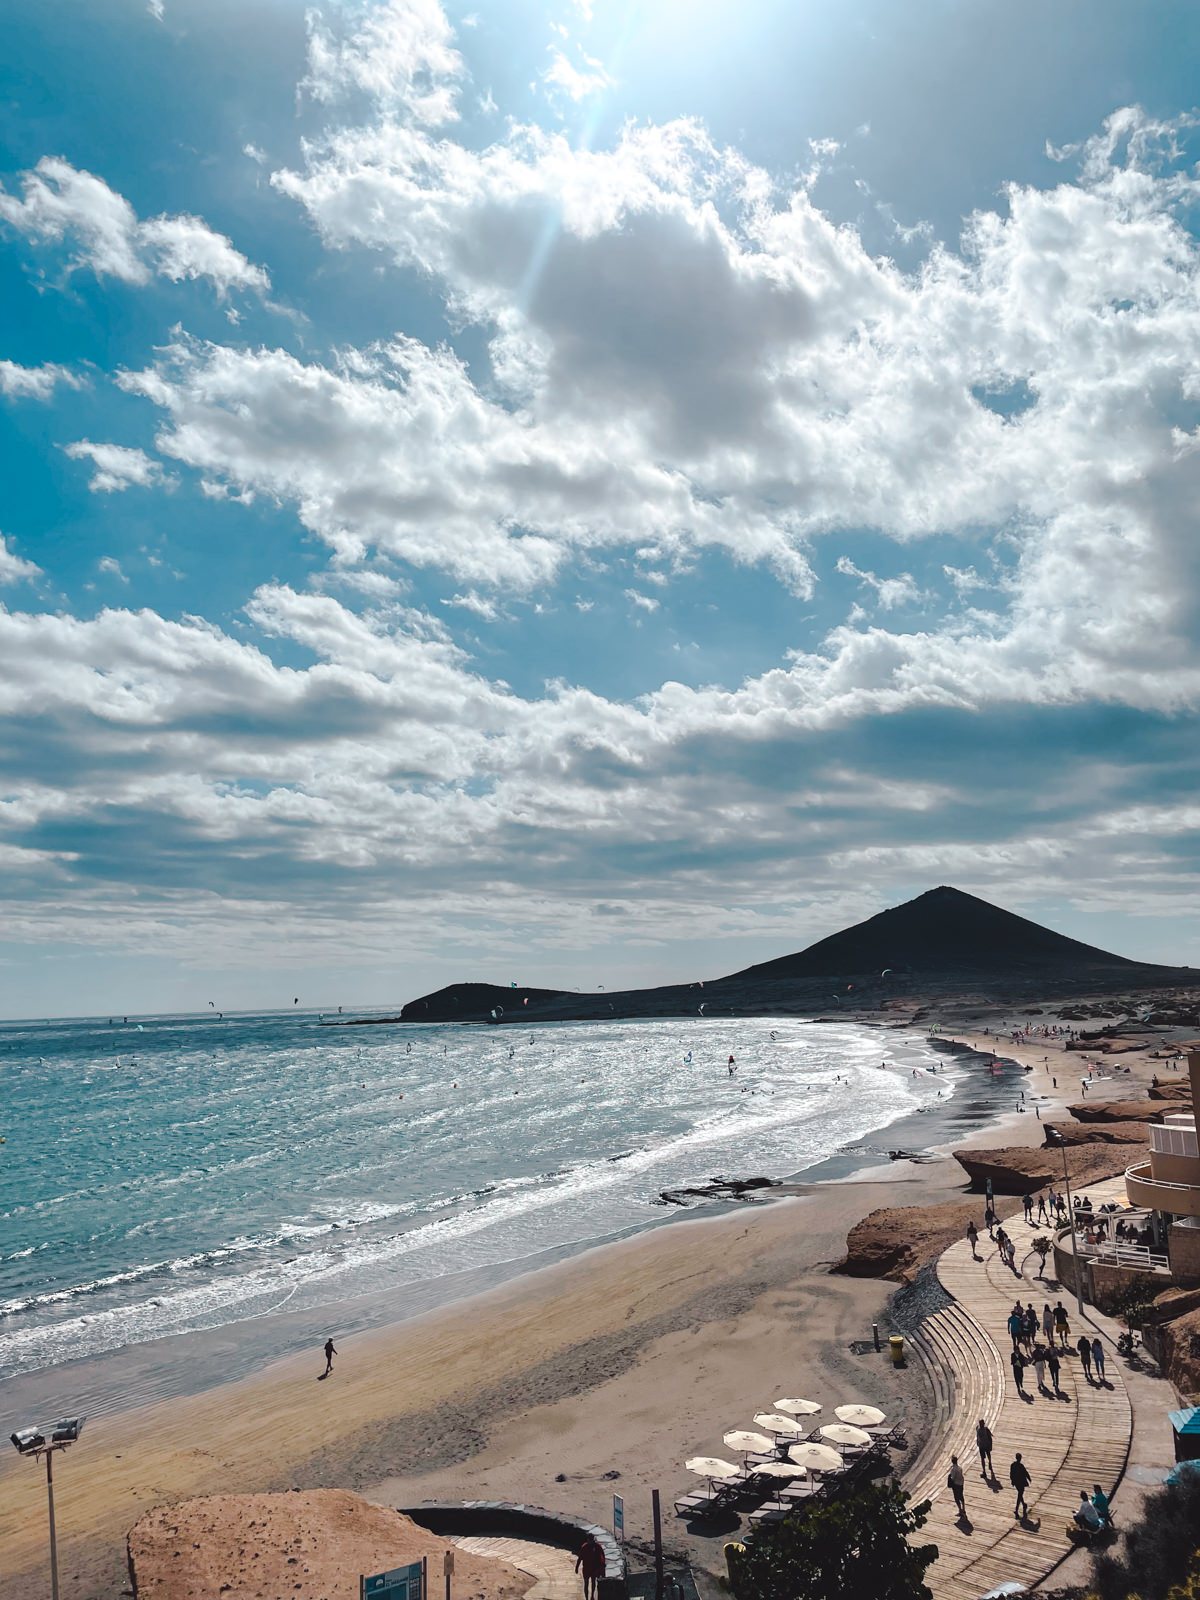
column 587, row 493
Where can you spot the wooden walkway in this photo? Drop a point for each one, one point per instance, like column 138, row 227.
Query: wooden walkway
column 1068, row 1442
column 553, row 1569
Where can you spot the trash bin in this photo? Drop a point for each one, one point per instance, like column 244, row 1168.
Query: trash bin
column 896, row 1343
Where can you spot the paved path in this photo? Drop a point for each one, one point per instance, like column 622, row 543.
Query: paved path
column 1068, row 1442
column 553, row 1569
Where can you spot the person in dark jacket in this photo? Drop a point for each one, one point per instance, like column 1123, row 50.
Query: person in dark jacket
column 1018, row 1476
column 983, row 1443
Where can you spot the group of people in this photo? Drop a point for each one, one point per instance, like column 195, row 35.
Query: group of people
column 1042, row 1354
column 1091, row 1514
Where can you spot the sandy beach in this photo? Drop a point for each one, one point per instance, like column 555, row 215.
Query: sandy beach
column 624, row 1359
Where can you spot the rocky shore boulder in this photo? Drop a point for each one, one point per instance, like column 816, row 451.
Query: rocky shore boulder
column 1170, row 1091
column 897, row 1241
column 1118, row 1111
column 1101, row 1132
column 1021, row 1170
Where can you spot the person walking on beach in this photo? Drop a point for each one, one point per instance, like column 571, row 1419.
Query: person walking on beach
column 1018, row 1476
column 954, row 1480
column 330, row 1352
column 1018, row 1366
column 983, row 1443
column 1062, row 1323
column 591, row 1562
column 973, row 1238
column 1098, row 1359
column 1085, row 1355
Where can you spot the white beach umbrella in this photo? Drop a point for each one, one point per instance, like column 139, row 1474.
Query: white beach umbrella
column 781, row 1469
column 816, row 1457
column 843, row 1433
column 859, row 1416
column 773, row 1422
column 743, row 1439
column 798, row 1408
column 712, row 1467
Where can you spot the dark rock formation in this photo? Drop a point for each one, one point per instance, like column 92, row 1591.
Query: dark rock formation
column 715, row 1189
column 1022, row 1170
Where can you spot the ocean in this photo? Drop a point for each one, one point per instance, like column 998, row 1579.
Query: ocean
column 183, row 1173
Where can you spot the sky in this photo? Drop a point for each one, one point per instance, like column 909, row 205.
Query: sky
column 588, row 493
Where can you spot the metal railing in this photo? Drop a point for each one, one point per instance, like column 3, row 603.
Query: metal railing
column 1118, row 1254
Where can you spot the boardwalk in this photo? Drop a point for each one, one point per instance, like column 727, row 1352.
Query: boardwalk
column 1068, row 1443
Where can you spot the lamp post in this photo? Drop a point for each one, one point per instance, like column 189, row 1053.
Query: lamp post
column 45, row 1441
column 1055, row 1138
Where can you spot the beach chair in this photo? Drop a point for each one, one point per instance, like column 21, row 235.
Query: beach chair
column 771, row 1513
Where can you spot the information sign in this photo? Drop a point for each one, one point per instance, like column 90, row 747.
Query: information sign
column 402, row 1583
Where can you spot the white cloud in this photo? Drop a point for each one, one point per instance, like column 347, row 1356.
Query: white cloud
column 644, row 602
column 112, row 567
column 13, row 568
column 401, row 54
column 901, row 590
column 117, row 466
column 575, row 82
column 60, row 202
column 35, row 383
column 157, row 9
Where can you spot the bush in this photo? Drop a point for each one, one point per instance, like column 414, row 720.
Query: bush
column 1157, row 1559
column 855, row 1544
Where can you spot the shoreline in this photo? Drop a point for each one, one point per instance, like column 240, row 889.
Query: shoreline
column 176, row 1366
column 536, row 1387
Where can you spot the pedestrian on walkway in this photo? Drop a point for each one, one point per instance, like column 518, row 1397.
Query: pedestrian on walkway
column 1018, row 1369
column 1027, row 1203
column 1098, row 1359
column 1085, row 1355
column 1062, row 1324
column 955, row 1481
column 1054, row 1364
column 1018, row 1476
column 1016, row 1325
column 973, row 1238
column 983, row 1443
column 1039, row 1367
column 1041, row 1208
column 989, row 1217
column 1047, row 1322
column 1029, row 1326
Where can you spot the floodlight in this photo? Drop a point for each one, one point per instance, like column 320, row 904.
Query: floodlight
column 67, row 1432
column 27, row 1439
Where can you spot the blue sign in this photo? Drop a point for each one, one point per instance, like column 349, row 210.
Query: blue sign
column 402, row 1583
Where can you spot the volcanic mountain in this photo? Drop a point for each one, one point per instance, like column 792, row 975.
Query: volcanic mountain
column 941, row 944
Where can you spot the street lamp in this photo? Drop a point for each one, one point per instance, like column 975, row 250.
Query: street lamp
column 45, row 1441
column 1053, row 1137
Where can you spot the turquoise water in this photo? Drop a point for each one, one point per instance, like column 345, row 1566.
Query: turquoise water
column 201, row 1171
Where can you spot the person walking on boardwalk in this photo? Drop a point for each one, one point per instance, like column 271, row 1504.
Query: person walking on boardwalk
column 1041, row 1216
column 592, row 1563
column 1048, row 1322
column 1085, row 1355
column 973, row 1238
column 1039, row 1367
column 1054, row 1364
column 989, row 1217
column 1015, row 1326
column 955, row 1481
column 1018, row 1476
column 1027, row 1203
column 1018, row 1366
column 1062, row 1323
column 983, row 1443
column 1098, row 1359
column 330, row 1352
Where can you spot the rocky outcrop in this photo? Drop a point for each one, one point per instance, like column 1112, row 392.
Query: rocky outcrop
column 1118, row 1111
column 1170, row 1091
column 1021, row 1170
column 315, row 1542
column 716, row 1189
column 1179, row 1341
column 1100, row 1132
column 897, row 1241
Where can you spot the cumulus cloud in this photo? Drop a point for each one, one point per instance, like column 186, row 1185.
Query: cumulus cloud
column 400, row 53
column 59, row 202
column 35, row 383
column 13, row 568
column 118, row 467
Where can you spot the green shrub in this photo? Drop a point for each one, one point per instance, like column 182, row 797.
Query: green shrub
column 854, row 1544
column 1158, row 1553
